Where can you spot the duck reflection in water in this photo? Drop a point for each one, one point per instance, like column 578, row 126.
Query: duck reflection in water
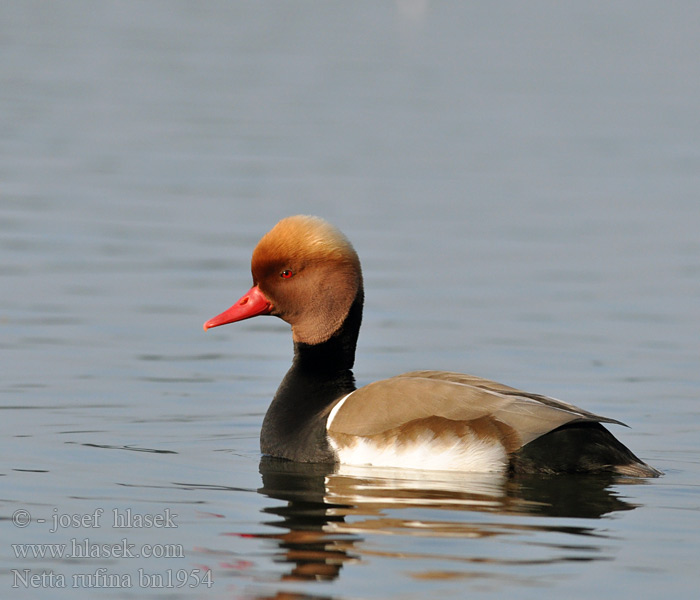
column 327, row 511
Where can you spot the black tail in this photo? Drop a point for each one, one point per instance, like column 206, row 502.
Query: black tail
column 583, row 447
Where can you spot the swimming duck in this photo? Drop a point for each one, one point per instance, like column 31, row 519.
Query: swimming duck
column 307, row 273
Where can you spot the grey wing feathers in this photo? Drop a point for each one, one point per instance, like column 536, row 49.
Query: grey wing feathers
column 455, row 396
column 510, row 391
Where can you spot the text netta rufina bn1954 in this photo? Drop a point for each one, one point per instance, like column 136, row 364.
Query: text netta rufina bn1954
column 308, row 274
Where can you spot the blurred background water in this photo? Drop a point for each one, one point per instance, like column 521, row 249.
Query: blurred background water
column 521, row 182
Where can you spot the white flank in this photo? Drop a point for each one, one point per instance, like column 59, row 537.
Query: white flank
column 445, row 453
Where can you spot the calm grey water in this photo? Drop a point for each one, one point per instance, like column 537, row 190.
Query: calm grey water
column 522, row 183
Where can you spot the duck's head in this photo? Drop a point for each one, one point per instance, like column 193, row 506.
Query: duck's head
column 306, row 272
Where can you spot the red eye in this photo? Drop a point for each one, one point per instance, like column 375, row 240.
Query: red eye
column 286, row 274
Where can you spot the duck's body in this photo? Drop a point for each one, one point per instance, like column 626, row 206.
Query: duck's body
column 307, row 273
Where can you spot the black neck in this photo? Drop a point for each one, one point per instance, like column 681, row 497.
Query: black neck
column 294, row 426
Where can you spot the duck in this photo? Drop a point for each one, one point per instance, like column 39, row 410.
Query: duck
column 307, row 273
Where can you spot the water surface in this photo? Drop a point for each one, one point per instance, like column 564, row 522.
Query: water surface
column 521, row 183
